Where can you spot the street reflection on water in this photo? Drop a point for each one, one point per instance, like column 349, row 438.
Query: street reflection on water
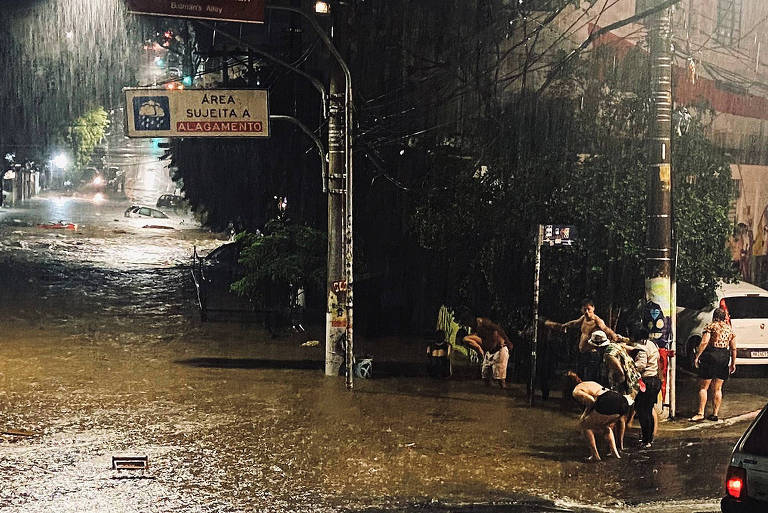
column 102, row 354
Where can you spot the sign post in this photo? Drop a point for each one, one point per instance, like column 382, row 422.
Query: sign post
column 196, row 113
column 552, row 235
column 247, row 11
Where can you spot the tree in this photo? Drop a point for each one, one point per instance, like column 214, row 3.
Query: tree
column 288, row 255
column 82, row 136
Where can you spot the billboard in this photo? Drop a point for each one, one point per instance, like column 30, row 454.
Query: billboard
column 249, row 11
column 196, row 112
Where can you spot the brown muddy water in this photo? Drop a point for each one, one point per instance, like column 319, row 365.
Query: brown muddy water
column 102, row 354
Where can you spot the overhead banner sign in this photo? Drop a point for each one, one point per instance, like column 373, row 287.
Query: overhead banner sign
column 248, row 11
column 196, row 113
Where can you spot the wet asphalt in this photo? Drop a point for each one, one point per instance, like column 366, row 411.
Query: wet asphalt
column 102, row 354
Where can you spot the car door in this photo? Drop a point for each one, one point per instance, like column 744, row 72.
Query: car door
column 753, row 451
column 749, row 319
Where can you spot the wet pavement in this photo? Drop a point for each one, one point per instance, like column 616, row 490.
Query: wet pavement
column 102, row 354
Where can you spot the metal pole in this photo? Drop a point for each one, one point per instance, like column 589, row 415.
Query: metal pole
column 347, row 240
column 658, row 262
column 673, row 343
column 318, row 144
column 534, row 342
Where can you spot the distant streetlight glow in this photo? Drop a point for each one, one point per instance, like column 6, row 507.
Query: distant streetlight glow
column 60, row 161
column 322, row 7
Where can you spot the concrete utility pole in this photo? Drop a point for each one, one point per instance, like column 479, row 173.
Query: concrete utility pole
column 336, row 320
column 339, row 325
column 659, row 258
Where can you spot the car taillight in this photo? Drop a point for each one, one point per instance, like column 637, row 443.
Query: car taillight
column 736, row 482
column 725, row 307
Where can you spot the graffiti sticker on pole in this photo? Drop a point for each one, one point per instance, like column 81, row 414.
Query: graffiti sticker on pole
column 196, row 113
column 557, row 235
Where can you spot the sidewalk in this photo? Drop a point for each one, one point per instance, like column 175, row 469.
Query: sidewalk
column 744, row 395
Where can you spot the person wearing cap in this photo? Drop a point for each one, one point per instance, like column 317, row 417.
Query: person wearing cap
column 588, row 323
column 617, row 372
column 603, row 409
column 646, row 356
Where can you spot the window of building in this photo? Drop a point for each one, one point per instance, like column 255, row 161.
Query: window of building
column 728, row 28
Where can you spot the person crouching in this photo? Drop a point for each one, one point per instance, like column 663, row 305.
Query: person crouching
column 603, row 408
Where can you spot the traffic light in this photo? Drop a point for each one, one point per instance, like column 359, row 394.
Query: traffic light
column 187, row 80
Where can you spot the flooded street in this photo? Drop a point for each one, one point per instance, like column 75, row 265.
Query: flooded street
column 102, row 354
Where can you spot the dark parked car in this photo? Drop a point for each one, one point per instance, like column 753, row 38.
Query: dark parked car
column 170, row 201
column 746, row 482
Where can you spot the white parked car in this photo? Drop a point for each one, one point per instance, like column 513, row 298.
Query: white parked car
column 746, row 481
column 747, row 307
column 145, row 212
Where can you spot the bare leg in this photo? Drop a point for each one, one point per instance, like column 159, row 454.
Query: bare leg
column 590, row 436
column 611, row 441
column 703, row 386
column 621, row 427
column 717, row 397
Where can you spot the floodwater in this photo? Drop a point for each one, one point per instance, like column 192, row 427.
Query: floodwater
column 102, row 354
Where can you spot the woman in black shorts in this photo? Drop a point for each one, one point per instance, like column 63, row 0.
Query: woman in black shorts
column 602, row 409
column 716, row 360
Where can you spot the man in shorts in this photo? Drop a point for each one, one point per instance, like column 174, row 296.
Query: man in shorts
column 588, row 323
column 491, row 342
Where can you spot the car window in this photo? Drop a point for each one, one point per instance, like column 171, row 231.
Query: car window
column 157, row 213
column 145, row 212
column 757, row 442
column 747, row 307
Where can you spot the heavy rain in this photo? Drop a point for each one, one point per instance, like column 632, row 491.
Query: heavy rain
column 177, row 310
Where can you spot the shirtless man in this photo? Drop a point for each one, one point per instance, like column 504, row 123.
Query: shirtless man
column 491, row 342
column 603, row 409
column 588, row 323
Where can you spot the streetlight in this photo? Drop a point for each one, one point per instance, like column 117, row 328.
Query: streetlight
column 336, row 139
column 322, row 7
column 60, row 160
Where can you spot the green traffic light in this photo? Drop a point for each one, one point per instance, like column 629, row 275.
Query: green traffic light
column 187, row 81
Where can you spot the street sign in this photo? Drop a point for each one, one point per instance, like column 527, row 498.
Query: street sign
column 557, row 235
column 248, row 11
column 196, row 112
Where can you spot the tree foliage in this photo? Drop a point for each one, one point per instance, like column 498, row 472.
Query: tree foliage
column 83, row 135
column 288, row 254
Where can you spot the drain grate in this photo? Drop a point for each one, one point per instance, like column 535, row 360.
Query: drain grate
column 130, row 463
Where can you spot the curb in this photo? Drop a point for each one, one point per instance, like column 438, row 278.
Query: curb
column 725, row 422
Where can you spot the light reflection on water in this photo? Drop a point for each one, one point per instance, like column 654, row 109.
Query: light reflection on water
column 101, row 354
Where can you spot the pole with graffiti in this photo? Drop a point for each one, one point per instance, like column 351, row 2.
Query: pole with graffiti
column 658, row 263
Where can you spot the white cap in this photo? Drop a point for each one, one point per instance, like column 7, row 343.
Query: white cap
column 598, row 337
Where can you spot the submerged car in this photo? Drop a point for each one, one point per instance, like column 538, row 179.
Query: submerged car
column 746, row 480
column 144, row 212
column 746, row 306
column 170, row 201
